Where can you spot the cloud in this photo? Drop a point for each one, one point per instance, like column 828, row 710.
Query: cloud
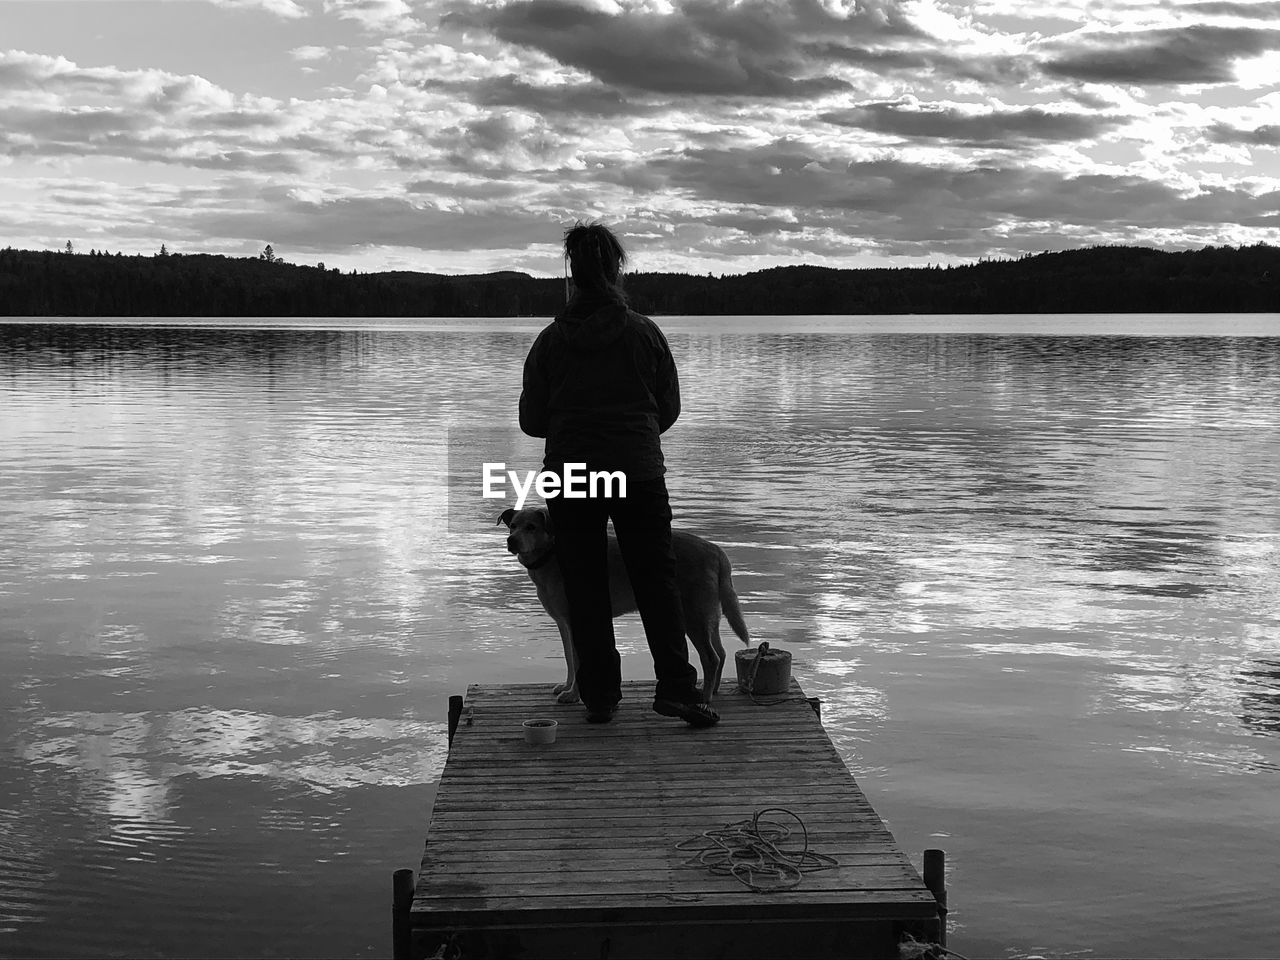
column 50, row 129
column 243, row 119
column 1266, row 135
column 508, row 142
column 578, row 99
column 285, row 218
column 89, row 134
column 1266, row 10
column 309, row 54
column 702, row 47
column 51, row 107
column 754, row 224
column 152, row 89
column 107, row 132
column 388, row 16
column 1192, row 54
column 287, row 9
column 924, row 62
column 973, row 127
column 902, row 207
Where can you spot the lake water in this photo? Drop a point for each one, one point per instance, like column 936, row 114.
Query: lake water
column 1031, row 565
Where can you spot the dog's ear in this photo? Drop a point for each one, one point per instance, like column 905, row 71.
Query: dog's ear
column 505, row 517
column 546, row 516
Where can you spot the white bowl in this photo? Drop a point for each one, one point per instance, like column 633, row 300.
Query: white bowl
column 539, row 731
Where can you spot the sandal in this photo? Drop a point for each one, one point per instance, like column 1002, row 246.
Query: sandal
column 697, row 714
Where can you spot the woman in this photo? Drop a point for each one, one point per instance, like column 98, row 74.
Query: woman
column 600, row 385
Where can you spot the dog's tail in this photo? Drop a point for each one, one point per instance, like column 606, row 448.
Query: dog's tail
column 729, row 601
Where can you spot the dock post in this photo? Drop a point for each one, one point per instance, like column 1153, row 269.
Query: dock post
column 816, row 704
column 401, row 901
column 935, row 878
column 455, row 716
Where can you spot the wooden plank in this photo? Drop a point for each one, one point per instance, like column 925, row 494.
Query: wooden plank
column 581, row 839
column 568, row 779
column 678, row 771
column 737, row 710
column 728, row 702
column 585, row 879
column 659, row 826
column 688, row 907
column 590, row 843
column 573, row 719
column 589, row 791
column 531, row 894
column 713, row 812
column 683, row 772
column 710, row 812
column 669, row 730
column 630, row 713
column 724, row 742
column 508, row 741
column 522, row 909
column 600, row 838
column 639, row 751
column 504, row 861
column 663, row 828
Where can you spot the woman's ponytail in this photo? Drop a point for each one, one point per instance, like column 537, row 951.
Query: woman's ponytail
column 595, row 259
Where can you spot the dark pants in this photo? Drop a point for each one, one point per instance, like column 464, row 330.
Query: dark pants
column 642, row 522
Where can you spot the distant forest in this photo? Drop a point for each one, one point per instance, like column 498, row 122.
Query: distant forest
column 1093, row 280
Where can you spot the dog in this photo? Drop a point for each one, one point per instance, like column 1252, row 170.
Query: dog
column 703, row 578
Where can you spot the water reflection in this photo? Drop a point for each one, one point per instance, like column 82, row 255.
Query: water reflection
column 1260, row 699
column 134, row 757
column 237, row 587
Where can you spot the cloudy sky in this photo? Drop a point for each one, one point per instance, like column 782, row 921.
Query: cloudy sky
column 462, row 135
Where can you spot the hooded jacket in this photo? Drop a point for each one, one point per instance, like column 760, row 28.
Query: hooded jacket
column 600, row 384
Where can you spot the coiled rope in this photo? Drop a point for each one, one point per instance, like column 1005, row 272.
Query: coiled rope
column 749, row 850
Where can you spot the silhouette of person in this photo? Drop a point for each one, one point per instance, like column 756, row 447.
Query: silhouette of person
column 600, row 385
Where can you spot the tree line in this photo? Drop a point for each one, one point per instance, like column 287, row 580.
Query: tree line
column 1111, row 279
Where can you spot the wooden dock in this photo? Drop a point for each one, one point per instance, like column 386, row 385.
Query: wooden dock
column 569, row 849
